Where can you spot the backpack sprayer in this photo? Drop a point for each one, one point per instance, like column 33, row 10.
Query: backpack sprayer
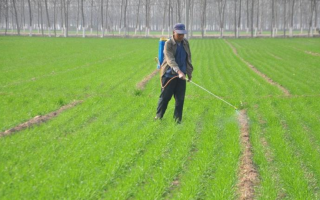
column 159, row 61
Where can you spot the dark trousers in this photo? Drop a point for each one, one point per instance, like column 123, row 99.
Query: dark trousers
column 176, row 87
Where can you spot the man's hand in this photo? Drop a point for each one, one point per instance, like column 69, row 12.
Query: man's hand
column 189, row 78
column 181, row 75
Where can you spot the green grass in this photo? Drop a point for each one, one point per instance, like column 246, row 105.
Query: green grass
column 109, row 147
column 285, row 61
column 285, row 130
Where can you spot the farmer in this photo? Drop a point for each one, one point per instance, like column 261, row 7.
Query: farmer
column 176, row 65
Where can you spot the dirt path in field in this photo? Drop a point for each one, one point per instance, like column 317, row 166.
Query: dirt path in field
column 142, row 84
column 248, row 175
column 312, row 53
column 269, row 80
column 39, row 119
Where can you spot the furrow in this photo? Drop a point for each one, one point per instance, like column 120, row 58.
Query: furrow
column 248, row 175
column 39, row 119
column 142, row 84
column 268, row 79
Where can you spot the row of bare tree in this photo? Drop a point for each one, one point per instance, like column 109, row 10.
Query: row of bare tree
column 56, row 17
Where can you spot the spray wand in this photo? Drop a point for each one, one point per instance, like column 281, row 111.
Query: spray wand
column 158, row 62
column 213, row 94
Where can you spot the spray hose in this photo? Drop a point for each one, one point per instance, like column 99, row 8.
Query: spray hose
column 163, row 86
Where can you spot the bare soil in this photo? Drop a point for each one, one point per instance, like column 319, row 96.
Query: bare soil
column 142, row 84
column 39, row 119
column 269, row 80
column 248, row 175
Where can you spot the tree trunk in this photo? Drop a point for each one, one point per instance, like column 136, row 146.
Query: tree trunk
column 247, row 26
column 221, row 9
column 137, row 19
column 62, row 18
column 179, row 10
column 7, row 16
column 91, row 22
column 164, row 16
column 41, row 18
column 107, row 7
column 187, row 17
column 301, row 27
column 315, row 14
column 172, row 4
column 97, row 20
column 176, row 13
column 272, row 18
column 66, row 10
column 102, row 28
column 125, row 18
column 276, row 21
column 38, row 25
column 312, row 6
column 203, row 18
column 48, row 19
column 83, row 24
column 0, row 13
column 235, row 18
column 169, row 16
column 16, row 16
column 78, row 10
column 258, row 18
column 12, row 18
column 30, row 19
column 191, row 18
column 252, row 14
column 54, row 18
column 284, row 17
column 120, row 23
column 291, row 23
column 23, row 20
column 147, row 17
column 262, row 17
column 239, row 21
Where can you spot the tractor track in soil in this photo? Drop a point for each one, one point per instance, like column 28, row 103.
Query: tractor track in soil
column 142, row 84
column 268, row 79
column 248, row 175
column 38, row 119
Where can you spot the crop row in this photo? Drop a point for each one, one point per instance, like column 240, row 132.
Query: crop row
column 109, row 146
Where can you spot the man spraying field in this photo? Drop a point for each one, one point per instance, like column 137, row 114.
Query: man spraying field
column 176, row 65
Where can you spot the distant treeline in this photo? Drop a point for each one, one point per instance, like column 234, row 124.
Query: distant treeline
column 124, row 17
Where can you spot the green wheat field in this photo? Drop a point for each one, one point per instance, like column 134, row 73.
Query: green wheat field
column 109, row 147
